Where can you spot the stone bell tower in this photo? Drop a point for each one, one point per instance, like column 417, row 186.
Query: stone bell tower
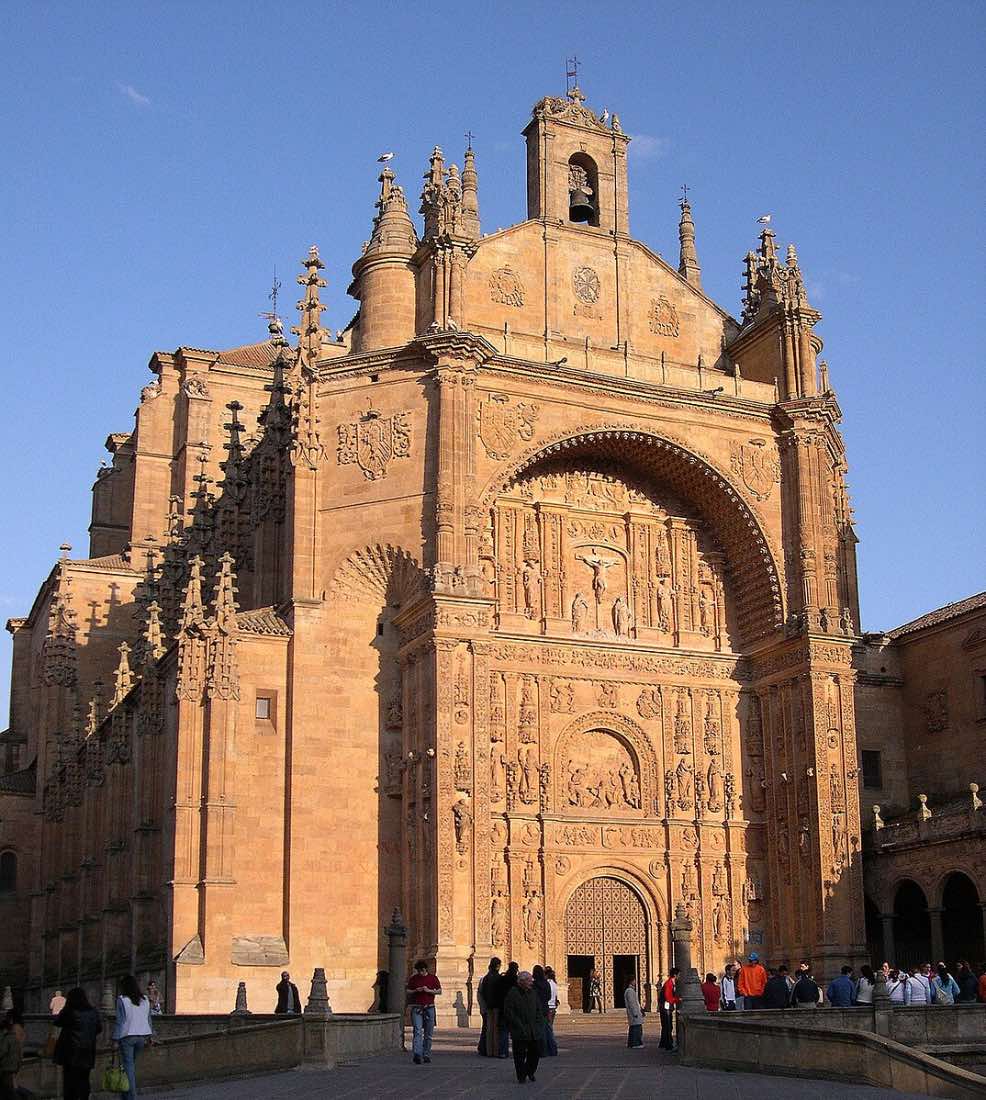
column 576, row 165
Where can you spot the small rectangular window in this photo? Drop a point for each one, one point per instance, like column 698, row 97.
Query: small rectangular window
column 263, row 708
column 872, row 770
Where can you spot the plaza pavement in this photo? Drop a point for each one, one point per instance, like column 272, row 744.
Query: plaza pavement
column 594, row 1064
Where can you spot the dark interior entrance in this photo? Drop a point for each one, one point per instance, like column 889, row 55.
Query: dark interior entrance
column 579, row 969
column 626, row 968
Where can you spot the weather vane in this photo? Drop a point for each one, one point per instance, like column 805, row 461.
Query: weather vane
column 469, row 135
column 684, row 192
column 571, row 74
column 271, row 314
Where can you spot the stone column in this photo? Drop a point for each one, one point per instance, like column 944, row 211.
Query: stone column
column 318, row 998
column 396, row 933
column 689, row 986
column 889, row 947
column 937, row 940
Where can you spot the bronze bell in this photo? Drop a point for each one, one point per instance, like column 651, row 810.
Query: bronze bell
column 580, row 209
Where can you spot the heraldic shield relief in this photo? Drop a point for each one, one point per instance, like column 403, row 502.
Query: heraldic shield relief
column 373, row 441
column 757, row 466
column 502, row 424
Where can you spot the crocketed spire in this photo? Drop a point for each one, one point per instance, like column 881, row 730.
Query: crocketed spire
column 309, row 329
column 688, row 264
column 393, row 231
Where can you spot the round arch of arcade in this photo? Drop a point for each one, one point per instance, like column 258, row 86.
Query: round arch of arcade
column 638, row 947
column 695, row 478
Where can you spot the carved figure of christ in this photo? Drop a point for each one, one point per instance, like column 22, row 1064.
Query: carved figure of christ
column 598, row 565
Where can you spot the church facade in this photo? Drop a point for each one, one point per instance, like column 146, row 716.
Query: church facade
column 526, row 606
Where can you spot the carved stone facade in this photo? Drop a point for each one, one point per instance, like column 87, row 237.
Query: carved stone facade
column 523, row 602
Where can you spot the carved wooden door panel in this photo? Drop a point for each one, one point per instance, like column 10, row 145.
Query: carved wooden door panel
column 605, row 917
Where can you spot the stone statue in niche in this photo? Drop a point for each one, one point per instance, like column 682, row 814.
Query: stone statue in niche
column 683, row 782
column 713, row 778
column 498, row 917
column 498, row 763
column 621, row 617
column 754, row 777
column 682, row 727
column 838, row 839
column 688, row 888
column 664, row 596
column 462, row 821
column 531, row 580
column 720, row 921
column 598, row 565
column 580, row 611
column 532, row 919
column 462, row 773
column 602, row 774
column 562, row 696
column 527, row 786
column 705, row 613
column 608, row 694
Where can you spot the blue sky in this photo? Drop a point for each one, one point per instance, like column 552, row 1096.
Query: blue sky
column 160, row 159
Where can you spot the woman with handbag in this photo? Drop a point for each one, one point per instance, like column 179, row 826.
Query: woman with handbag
column 132, row 1029
column 75, row 1048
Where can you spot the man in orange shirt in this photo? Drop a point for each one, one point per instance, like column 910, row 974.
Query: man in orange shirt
column 751, row 983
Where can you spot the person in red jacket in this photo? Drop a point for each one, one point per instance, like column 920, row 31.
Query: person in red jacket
column 669, row 998
column 751, row 983
column 711, row 993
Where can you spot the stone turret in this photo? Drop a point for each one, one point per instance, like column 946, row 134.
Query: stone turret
column 470, row 196
column 688, row 264
column 383, row 279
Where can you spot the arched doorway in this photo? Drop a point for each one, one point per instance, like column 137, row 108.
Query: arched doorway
column 962, row 920
column 912, row 925
column 606, row 930
column 874, row 932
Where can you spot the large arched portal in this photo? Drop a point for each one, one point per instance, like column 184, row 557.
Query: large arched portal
column 912, row 925
column 606, row 931
column 962, row 919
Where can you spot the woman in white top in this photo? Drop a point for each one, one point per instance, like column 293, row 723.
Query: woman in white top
column 895, row 987
column 133, row 1027
column 864, row 987
column 635, row 1016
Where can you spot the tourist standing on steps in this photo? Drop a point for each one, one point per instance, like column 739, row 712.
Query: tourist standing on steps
column 75, row 1050
column 635, row 1016
column 525, row 1017
column 133, row 1028
column 288, row 1000
column 777, row 993
column 751, row 983
column 669, row 998
column 485, row 995
column 422, row 989
column 503, row 986
column 841, row 992
column 865, row 985
column 944, row 988
column 542, row 987
column 711, row 993
column 595, row 992
column 728, row 988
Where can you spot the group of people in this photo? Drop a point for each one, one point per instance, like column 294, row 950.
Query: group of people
column 750, row 985
column 518, row 1009
column 76, row 1027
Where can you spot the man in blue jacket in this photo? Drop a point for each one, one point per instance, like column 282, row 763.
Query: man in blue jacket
column 842, row 990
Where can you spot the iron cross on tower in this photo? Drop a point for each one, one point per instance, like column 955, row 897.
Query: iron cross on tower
column 571, row 74
column 271, row 314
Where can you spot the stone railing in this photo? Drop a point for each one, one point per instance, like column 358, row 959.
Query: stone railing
column 802, row 1043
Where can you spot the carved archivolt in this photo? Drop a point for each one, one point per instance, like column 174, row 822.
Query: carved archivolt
column 695, row 479
column 387, row 573
column 629, row 737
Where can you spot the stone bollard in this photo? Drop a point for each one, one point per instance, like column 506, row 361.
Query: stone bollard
column 7, row 1003
column 240, row 1012
column 397, row 961
column 689, row 985
column 318, row 998
column 882, row 1006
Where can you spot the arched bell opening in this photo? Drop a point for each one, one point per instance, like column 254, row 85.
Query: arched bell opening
column 912, row 925
column 962, row 920
column 583, row 190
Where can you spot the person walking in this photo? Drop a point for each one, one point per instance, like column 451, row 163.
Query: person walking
column 777, row 993
column 422, row 989
column 75, row 1050
column 751, row 983
column 669, row 998
column 944, row 988
column 288, row 1000
column 711, row 993
column 841, row 992
column 865, row 985
column 635, row 1016
column 728, row 989
column 504, row 984
column 523, row 1011
column 806, row 992
column 57, row 1002
column 132, row 1029
column 595, row 991
column 485, row 996
column 542, row 987
column 552, row 1010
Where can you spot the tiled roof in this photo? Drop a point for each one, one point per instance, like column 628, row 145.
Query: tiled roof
column 250, row 355
column 941, row 615
column 263, row 620
column 110, row 561
column 22, row 782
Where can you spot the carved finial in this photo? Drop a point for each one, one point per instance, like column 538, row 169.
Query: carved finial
column 976, row 800
column 94, row 716
column 65, row 550
column 225, row 595
column 153, row 641
column 192, row 614
column 923, row 812
column 688, row 265
column 823, row 371
column 309, row 330
column 878, row 822
column 123, row 677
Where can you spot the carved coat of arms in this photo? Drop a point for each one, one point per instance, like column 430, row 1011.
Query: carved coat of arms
column 373, row 441
column 501, row 424
column 757, row 466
